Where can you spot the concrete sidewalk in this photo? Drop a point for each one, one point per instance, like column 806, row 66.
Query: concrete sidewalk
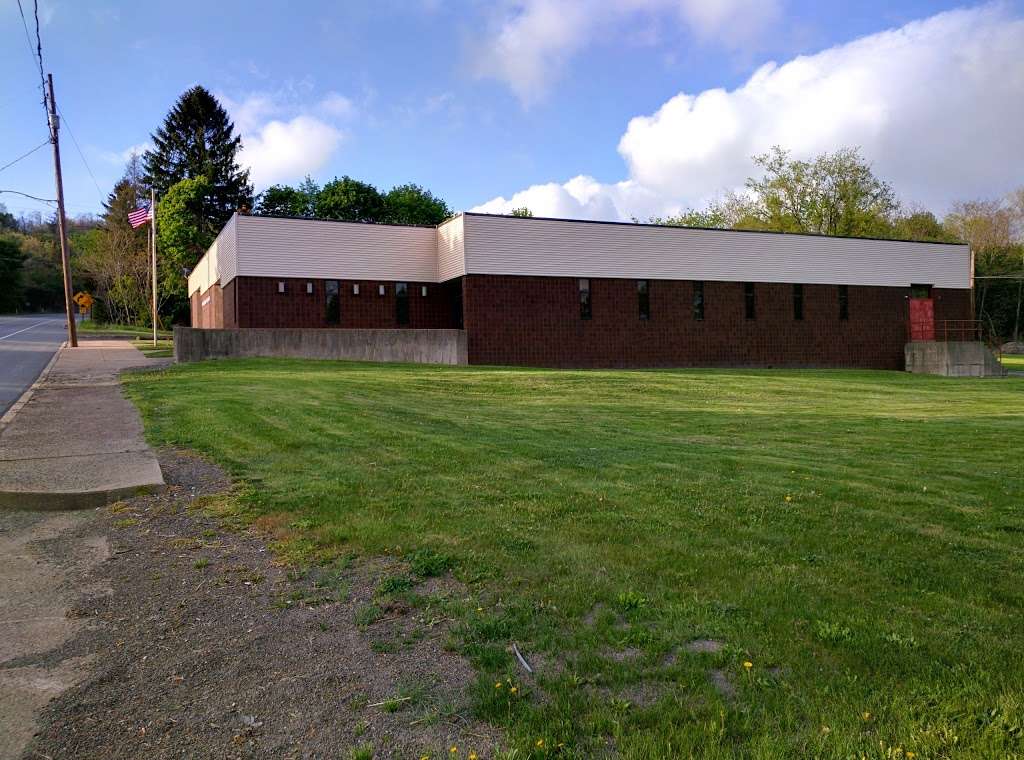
column 78, row 441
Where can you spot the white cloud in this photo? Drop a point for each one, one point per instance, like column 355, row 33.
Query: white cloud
column 337, row 105
column 733, row 22
column 282, row 139
column 120, row 157
column 284, row 151
column 532, row 40
column 936, row 106
column 249, row 113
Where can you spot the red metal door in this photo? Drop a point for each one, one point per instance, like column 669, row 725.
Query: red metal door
column 922, row 319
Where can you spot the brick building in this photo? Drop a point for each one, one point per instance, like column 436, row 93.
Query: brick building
column 563, row 293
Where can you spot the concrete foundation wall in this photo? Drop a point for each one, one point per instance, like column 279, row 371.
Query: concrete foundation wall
column 952, row 359
column 417, row 346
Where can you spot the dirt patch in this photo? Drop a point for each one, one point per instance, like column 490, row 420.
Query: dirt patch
column 722, row 683
column 210, row 648
column 636, row 695
column 625, row 655
column 704, row 646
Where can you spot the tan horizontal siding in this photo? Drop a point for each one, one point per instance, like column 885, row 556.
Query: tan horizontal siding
column 273, row 247
column 542, row 247
column 219, row 261
column 451, row 249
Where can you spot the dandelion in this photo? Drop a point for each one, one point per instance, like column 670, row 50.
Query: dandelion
column 911, row 755
column 514, row 690
column 473, row 756
column 498, row 685
column 789, row 498
column 866, row 716
column 479, row 609
column 540, row 744
column 748, row 664
column 454, row 750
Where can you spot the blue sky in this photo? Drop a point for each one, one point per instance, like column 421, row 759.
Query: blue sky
column 649, row 104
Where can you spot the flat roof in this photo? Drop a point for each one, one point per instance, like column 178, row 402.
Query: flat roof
column 609, row 222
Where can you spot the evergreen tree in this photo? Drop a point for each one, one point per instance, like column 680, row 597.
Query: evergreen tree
column 197, row 139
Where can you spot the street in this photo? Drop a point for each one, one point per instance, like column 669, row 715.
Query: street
column 27, row 343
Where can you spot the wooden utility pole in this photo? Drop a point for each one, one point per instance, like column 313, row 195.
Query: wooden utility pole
column 61, row 221
column 152, row 232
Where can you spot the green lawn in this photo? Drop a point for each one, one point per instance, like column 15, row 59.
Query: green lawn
column 163, row 348
column 856, row 537
column 1013, row 362
column 103, row 329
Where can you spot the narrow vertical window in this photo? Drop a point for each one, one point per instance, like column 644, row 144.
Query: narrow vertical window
column 844, row 302
column 309, row 288
column 698, row 301
column 643, row 294
column 355, row 288
column 332, row 308
column 798, row 301
column 423, row 291
column 402, row 303
column 584, row 286
column 280, row 286
column 381, row 290
column 749, row 304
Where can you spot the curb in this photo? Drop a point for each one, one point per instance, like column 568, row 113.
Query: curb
column 58, row 501
column 27, row 395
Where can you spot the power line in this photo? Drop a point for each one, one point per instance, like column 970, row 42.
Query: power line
column 25, row 155
column 67, row 126
column 37, row 53
column 37, row 57
column 33, row 197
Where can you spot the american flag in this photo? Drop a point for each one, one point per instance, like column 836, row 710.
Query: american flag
column 139, row 216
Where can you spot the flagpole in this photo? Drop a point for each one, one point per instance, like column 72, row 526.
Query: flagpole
column 152, row 230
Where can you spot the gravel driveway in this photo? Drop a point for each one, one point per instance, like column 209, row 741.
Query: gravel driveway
column 189, row 640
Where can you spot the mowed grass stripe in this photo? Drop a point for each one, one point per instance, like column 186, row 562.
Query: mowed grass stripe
column 600, row 512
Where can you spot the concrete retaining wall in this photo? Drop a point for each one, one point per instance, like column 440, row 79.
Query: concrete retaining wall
column 952, row 359
column 418, row 346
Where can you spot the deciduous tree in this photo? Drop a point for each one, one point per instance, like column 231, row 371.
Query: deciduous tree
column 832, row 194
column 349, row 200
column 115, row 256
column 11, row 261
column 185, row 229
column 285, row 200
column 411, row 204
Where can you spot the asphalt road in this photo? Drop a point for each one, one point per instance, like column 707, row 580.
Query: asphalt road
column 26, row 345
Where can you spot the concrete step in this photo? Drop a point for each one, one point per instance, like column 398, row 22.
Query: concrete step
column 962, row 358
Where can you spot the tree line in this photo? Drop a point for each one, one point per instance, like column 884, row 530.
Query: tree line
column 193, row 167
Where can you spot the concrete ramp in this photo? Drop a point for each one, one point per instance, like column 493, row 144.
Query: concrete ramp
column 963, row 358
column 77, row 442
